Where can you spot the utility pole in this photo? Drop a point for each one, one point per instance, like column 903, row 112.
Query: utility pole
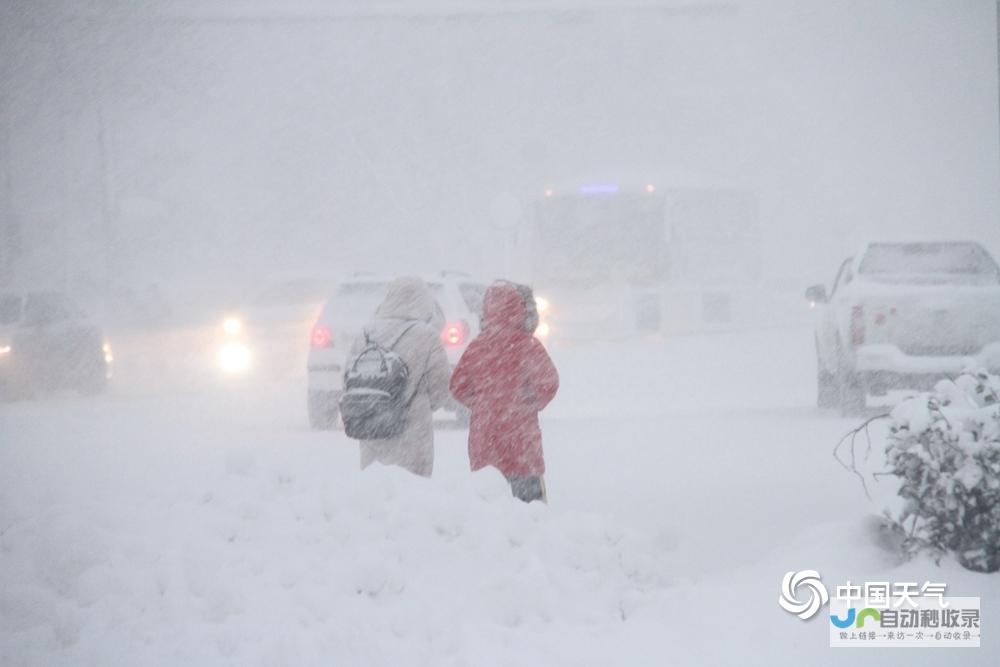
column 108, row 209
column 9, row 236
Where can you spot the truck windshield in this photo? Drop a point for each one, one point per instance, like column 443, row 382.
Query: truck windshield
column 585, row 238
column 293, row 292
column 929, row 262
column 46, row 308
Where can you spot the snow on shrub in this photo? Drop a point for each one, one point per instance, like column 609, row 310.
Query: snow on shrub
column 944, row 448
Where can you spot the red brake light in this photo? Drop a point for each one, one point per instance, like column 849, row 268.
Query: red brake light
column 454, row 334
column 320, row 336
column 858, row 325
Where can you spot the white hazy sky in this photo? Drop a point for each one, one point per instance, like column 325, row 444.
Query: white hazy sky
column 245, row 137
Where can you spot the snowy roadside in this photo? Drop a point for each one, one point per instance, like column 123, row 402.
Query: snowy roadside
column 274, row 566
column 213, row 528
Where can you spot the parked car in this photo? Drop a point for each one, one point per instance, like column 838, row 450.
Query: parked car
column 47, row 342
column 264, row 334
column 353, row 305
column 905, row 315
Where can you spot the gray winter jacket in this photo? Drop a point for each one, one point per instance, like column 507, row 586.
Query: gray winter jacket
column 408, row 303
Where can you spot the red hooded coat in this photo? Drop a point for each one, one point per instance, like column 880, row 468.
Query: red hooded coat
column 505, row 377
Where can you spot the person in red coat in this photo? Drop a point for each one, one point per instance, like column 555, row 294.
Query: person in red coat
column 505, row 378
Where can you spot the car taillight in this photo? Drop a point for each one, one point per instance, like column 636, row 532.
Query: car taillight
column 320, row 336
column 883, row 316
column 857, row 325
column 454, row 334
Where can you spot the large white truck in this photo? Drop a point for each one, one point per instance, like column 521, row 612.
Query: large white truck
column 905, row 315
column 615, row 261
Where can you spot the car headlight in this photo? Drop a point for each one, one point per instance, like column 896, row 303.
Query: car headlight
column 234, row 358
column 4, row 349
column 233, row 326
column 108, row 355
column 542, row 304
column 543, row 330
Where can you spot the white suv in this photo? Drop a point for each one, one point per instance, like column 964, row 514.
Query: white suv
column 353, row 305
column 903, row 316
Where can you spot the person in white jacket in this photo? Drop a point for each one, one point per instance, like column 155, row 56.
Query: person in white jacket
column 410, row 314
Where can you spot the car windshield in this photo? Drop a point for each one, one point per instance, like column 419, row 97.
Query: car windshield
column 366, row 290
column 369, row 294
column 293, row 292
column 49, row 308
column 10, row 309
column 356, row 303
column 929, row 262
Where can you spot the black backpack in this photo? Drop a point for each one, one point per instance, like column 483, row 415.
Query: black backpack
column 373, row 405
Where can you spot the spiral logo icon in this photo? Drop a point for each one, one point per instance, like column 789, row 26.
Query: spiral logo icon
column 806, row 579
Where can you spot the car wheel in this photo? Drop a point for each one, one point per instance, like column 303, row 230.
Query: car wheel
column 90, row 375
column 17, row 386
column 94, row 385
column 853, row 395
column 852, row 392
column 827, row 391
column 323, row 410
column 9, row 392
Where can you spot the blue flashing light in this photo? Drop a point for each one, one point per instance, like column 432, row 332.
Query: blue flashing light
column 599, row 189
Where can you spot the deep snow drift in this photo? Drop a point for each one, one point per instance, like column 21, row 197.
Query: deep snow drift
column 211, row 527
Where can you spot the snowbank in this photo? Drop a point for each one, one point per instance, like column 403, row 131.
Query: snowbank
column 272, row 566
column 214, row 528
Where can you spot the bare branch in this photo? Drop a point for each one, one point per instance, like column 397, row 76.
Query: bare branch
column 852, row 436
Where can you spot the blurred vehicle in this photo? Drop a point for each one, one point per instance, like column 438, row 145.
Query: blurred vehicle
column 47, row 342
column 353, row 305
column 904, row 315
column 265, row 333
column 637, row 258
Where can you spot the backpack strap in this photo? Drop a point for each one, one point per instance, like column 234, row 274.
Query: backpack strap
column 372, row 343
column 416, row 384
column 399, row 337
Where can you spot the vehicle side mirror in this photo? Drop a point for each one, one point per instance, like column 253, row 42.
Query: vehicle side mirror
column 816, row 294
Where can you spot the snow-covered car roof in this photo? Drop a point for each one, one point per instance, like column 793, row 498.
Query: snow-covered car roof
column 930, row 257
column 375, row 277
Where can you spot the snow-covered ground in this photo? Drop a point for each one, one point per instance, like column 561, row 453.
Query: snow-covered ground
column 161, row 525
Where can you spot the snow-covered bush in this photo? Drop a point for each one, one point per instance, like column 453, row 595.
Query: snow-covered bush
column 944, row 447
